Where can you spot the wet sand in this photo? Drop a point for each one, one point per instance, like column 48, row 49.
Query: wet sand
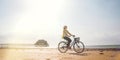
column 54, row 54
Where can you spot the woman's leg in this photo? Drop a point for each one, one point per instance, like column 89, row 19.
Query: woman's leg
column 69, row 41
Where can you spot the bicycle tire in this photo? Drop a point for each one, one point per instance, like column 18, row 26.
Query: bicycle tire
column 65, row 46
column 82, row 49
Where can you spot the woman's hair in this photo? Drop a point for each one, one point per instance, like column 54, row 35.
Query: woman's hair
column 65, row 27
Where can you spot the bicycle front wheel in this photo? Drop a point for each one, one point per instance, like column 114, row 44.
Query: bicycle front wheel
column 62, row 47
column 79, row 47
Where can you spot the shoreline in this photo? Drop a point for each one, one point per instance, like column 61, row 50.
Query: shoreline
column 86, row 49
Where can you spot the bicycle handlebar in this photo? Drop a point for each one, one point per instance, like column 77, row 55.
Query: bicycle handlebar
column 73, row 36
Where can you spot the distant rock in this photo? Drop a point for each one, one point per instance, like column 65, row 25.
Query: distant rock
column 41, row 43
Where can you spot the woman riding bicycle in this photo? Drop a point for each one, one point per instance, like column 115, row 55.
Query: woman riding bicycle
column 77, row 45
column 66, row 35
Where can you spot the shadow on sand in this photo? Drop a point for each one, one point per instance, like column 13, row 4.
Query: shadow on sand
column 80, row 54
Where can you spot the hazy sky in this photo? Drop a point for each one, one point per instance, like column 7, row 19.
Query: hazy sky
column 26, row 21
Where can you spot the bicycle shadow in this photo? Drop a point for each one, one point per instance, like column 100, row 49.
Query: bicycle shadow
column 80, row 54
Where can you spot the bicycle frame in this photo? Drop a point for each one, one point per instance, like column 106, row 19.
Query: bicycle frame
column 74, row 44
column 74, row 41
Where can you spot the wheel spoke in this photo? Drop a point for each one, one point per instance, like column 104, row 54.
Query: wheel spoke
column 62, row 47
column 78, row 47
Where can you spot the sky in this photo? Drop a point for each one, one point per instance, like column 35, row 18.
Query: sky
column 96, row 22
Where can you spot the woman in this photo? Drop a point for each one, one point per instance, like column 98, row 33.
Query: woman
column 66, row 35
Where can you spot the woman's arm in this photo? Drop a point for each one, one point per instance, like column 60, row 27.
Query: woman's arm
column 68, row 32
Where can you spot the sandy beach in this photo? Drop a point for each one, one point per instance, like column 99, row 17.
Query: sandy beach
column 54, row 54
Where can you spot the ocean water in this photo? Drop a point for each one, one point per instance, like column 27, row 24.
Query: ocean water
column 33, row 46
column 18, row 46
column 102, row 46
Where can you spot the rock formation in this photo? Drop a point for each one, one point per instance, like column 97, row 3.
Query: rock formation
column 42, row 43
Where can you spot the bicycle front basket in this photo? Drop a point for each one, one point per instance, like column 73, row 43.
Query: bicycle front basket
column 77, row 39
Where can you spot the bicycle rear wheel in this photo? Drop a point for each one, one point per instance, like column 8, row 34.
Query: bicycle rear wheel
column 62, row 47
column 79, row 47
